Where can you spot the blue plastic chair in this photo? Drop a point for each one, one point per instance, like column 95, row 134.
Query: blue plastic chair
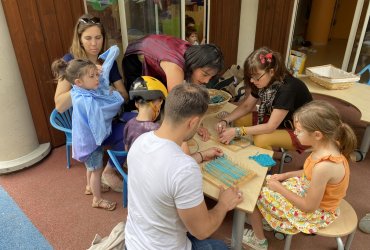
column 113, row 156
column 366, row 68
column 63, row 122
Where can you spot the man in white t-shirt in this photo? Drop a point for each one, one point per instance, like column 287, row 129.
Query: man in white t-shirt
column 166, row 208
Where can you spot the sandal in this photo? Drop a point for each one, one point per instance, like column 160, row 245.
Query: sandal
column 103, row 188
column 105, row 204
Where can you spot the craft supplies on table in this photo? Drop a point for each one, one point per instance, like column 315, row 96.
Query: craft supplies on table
column 222, row 171
column 264, row 160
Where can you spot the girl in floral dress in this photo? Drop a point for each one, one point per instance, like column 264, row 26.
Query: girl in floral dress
column 307, row 200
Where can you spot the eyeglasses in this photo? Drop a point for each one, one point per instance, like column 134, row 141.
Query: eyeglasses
column 258, row 78
column 94, row 20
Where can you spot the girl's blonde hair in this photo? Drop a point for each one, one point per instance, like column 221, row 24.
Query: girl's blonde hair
column 324, row 117
column 84, row 22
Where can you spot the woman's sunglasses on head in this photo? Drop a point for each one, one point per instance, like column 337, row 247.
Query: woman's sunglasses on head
column 94, row 20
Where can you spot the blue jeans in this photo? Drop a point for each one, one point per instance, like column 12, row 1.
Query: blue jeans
column 208, row 244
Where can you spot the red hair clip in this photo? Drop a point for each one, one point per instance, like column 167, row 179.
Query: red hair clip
column 264, row 58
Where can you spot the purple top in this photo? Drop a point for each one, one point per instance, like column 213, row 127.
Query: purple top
column 134, row 128
column 157, row 48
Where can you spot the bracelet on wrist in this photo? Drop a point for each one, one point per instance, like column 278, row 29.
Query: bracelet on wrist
column 201, row 156
column 227, row 123
column 243, row 131
column 237, row 132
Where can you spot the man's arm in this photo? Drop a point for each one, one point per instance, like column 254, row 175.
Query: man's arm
column 202, row 222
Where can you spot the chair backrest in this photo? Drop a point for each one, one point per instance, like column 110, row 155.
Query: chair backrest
column 366, row 68
column 62, row 121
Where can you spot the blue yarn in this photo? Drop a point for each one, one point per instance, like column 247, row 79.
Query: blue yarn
column 264, row 160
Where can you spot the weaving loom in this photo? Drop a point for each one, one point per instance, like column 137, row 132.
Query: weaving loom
column 223, row 172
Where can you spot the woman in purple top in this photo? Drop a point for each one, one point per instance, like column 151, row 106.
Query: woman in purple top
column 171, row 60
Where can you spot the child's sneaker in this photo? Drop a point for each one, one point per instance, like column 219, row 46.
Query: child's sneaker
column 250, row 240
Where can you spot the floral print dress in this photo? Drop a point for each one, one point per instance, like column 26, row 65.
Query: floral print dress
column 284, row 217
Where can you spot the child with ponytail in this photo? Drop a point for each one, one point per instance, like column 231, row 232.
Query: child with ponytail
column 307, row 200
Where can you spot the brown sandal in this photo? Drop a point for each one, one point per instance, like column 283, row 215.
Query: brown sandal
column 103, row 188
column 105, row 204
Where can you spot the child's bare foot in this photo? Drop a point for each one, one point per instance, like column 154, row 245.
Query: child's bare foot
column 104, row 204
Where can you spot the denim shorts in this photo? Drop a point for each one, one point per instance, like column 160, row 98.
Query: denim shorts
column 95, row 160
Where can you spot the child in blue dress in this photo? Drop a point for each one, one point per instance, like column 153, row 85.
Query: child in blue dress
column 94, row 107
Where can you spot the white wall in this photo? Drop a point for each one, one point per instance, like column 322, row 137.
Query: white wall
column 19, row 146
column 247, row 30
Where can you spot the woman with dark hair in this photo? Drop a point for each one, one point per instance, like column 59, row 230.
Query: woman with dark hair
column 171, row 60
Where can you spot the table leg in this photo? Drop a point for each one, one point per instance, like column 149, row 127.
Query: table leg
column 365, row 144
column 237, row 230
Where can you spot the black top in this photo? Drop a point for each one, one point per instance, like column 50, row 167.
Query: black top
column 292, row 94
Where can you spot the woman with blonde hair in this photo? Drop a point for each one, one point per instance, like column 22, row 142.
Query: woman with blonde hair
column 89, row 40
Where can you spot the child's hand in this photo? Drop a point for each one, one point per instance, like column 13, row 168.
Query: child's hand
column 203, row 133
column 278, row 177
column 274, row 185
column 100, row 68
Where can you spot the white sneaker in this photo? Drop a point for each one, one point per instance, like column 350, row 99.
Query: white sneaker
column 250, row 240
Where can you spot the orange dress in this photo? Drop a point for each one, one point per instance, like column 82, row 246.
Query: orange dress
column 284, row 217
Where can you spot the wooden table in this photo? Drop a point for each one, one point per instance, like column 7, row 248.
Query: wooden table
column 358, row 96
column 250, row 189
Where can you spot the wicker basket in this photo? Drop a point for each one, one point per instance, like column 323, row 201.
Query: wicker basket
column 216, row 107
column 331, row 77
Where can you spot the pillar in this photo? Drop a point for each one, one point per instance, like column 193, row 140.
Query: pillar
column 319, row 23
column 19, row 146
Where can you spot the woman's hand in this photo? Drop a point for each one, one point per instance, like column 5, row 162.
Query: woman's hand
column 227, row 135
column 203, row 133
column 211, row 153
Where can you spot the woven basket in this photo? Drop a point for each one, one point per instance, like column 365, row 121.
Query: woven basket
column 216, row 107
column 331, row 77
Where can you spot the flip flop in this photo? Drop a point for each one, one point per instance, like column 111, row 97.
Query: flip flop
column 105, row 204
column 103, row 188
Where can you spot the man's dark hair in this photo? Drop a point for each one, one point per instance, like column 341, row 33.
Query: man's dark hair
column 186, row 100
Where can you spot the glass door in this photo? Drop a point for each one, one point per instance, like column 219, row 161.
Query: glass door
column 127, row 20
column 359, row 53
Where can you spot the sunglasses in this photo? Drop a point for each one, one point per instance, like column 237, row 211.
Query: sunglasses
column 94, row 20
